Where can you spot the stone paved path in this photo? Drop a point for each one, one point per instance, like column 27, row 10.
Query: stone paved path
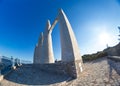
column 27, row 75
column 100, row 72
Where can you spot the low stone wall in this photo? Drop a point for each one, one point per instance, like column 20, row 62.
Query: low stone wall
column 115, row 58
column 54, row 68
column 68, row 68
column 8, row 72
column 1, row 77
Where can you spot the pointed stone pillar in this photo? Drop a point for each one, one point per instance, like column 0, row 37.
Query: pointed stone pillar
column 70, row 49
column 35, row 54
column 38, row 50
column 47, row 49
column 69, row 46
column 40, row 44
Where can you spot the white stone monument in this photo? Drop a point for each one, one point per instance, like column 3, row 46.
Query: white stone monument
column 47, row 49
column 38, row 50
column 69, row 47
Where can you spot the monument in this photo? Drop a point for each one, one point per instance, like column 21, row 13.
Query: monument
column 38, row 50
column 69, row 48
column 47, row 49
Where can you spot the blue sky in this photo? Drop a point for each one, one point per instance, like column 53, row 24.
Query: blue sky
column 94, row 23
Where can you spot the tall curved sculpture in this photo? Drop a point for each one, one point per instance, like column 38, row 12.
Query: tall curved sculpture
column 47, row 49
column 38, row 50
column 35, row 55
column 69, row 47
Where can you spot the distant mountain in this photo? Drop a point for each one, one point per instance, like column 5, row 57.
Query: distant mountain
column 113, row 51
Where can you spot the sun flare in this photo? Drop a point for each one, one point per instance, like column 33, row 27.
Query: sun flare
column 104, row 38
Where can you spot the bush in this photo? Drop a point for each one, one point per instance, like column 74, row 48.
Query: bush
column 90, row 57
column 2, row 66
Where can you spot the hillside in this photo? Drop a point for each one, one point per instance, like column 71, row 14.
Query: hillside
column 113, row 51
column 110, row 51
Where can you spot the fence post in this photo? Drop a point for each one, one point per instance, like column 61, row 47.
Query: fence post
column 13, row 62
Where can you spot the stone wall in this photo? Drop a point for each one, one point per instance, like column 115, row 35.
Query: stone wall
column 8, row 72
column 114, row 58
column 67, row 68
column 54, row 68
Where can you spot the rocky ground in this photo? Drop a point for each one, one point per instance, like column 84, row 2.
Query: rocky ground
column 100, row 72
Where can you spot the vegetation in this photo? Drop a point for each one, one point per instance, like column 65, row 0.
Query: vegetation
column 90, row 57
column 1, row 66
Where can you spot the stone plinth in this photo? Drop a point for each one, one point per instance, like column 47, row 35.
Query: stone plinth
column 1, row 77
column 66, row 68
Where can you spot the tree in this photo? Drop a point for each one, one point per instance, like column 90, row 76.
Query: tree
column 119, row 34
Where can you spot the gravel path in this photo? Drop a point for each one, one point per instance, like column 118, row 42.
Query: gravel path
column 100, row 72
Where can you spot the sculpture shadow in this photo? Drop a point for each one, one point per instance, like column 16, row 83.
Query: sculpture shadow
column 113, row 65
column 33, row 76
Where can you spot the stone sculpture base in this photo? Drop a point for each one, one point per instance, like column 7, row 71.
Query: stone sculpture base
column 1, row 77
column 73, row 69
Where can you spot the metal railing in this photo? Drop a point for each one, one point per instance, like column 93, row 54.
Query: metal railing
column 6, row 63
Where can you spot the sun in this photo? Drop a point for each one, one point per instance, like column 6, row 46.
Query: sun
column 104, row 38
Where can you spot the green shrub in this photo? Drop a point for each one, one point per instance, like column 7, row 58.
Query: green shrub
column 90, row 57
